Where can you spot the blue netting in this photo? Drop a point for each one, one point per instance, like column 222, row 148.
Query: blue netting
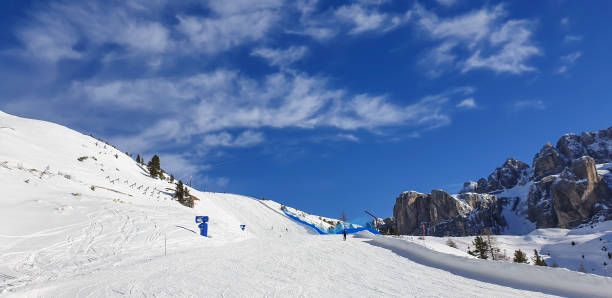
column 351, row 226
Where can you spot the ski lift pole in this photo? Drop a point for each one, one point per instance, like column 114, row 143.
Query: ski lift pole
column 375, row 219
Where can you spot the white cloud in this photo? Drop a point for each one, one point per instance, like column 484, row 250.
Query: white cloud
column 572, row 38
column 363, row 19
column 565, row 21
column 347, row 137
column 353, row 19
column 180, row 166
column 568, row 61
column 77, row 29
column 281, row 58
column 214, row 35
column 491, row 41
column 210, row 104
column 53, row 33
column 224, row 139
column 528, row 105
column 468, row 103
column 222, row 181
column 571, row 58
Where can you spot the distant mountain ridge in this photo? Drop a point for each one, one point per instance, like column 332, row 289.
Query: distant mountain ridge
column 567, row 185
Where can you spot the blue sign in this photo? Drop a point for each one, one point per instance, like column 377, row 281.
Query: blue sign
column 201, row 219
column 243, row 227
column 203, row 224
column 203, row 229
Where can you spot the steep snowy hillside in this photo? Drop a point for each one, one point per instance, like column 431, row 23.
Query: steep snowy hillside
column 80, row 218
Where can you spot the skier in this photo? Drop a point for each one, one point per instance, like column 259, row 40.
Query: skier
column 344, row 234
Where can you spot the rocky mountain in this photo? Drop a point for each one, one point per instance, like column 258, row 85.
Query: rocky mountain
column 567, row 185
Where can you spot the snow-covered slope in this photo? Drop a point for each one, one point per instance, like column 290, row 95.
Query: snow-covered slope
column 101, row 227
column 590, row 247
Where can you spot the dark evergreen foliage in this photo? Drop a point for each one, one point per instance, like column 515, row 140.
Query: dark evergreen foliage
column 537, row 259
column 481, row 248
column 154, row 167
column 182, row 195
column 520, row 257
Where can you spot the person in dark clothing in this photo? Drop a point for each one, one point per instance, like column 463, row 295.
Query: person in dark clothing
column 344, row 233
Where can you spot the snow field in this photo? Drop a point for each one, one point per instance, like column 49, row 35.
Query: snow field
column 126, row 236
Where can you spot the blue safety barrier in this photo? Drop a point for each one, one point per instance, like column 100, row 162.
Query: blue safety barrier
column 349, row 227
column 303, row 222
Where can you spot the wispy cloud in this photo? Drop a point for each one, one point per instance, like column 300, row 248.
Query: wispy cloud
column 347, row 137
column 224, row 139
column 568, row 61
column 356, row 18
column 572, row 38
column 281, row 57
column 492, row 41
column 520, row 105
column 468, row 103
column 180, row 166
column 54, row 33
column 565, row 21
column 224, row 99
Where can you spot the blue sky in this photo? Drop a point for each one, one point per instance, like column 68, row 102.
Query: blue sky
column 322, row 105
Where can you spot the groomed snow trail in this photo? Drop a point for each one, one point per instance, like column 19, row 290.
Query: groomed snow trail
column 312, row 266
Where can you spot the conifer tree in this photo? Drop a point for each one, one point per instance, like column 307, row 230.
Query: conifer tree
column 138, row 159
column 520, row 257
column 179, row 192
column 188, row 199
column 154, row 167
column 537, row 259
column 481, row 248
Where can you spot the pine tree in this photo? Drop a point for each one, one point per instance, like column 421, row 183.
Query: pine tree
column 481, row 248
column 154, row 167
column 537, row 259
column 182, row 195
column 179, row 192
column 493, row 251
column 188, row 199
column 138, row 159
column 520, row 257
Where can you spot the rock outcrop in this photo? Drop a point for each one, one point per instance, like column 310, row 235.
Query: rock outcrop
column 562, row 189
column 443, row 214
column 547, row 162
column 576, row 193
column 511, row 173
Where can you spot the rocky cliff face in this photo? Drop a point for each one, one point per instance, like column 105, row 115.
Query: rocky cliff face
column 563, row 188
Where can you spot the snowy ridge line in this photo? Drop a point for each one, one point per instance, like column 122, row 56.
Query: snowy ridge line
column 269, row 207
column 555, row 281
